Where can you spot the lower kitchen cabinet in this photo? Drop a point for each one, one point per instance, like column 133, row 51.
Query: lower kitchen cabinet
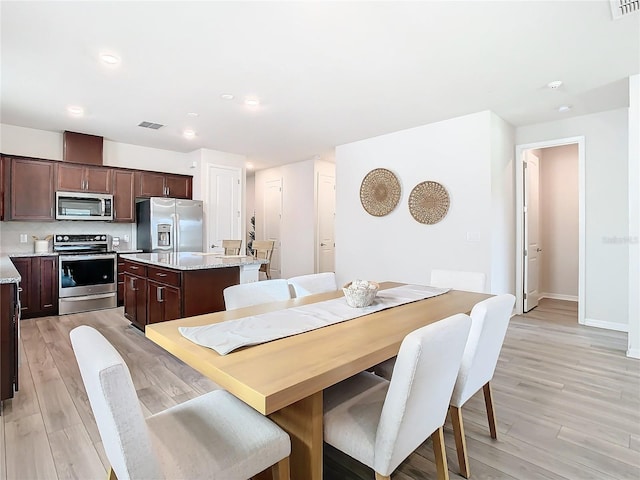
column 154, row 294
column 120, row 282
column 8, row 340
column 163, row 302
column 135, row 294
column 39, row 285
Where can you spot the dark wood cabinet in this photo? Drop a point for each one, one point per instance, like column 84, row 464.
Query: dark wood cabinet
column 124, row 196
column 172, row 293
column 81, row 178
column 155, row 184
column 39, row 285
column 163, row 302
column 30, row 194
column 9, row 315
column 135, row 293
column 2, row 187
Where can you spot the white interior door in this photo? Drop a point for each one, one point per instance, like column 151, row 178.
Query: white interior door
column 272, row 217
column 326, row 215
column 223, row 206
column 532, row 250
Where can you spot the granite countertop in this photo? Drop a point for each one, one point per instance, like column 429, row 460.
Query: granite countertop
column 31, row 254
column 126, row 250
column 193, row 260
column 8, row 273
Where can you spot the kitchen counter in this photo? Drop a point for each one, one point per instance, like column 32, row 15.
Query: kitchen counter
column 8, row 272
column 193, row 260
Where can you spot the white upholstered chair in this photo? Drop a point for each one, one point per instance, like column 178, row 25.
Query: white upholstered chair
column 248, row 294
column 489, row 322
column 468, row 281
column 304, row 285
column 211, row 436
column 380, row 423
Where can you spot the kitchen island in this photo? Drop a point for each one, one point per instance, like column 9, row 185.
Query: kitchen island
column 9, row 317
column 165, row 286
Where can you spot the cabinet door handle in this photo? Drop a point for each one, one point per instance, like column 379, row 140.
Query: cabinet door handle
column 161, row 274
column 48, row 305
column 159, row 294
column 132, row 267
column 133, row 284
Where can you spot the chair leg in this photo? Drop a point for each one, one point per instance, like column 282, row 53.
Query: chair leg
column 461, row 442
column 111, row 475
column 280, row 471
column 491, row 416
column 437, row 438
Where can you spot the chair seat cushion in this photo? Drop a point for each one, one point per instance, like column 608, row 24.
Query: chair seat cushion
column 351, row 414
column 216, row 436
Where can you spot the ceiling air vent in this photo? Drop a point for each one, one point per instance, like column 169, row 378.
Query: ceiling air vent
column 620, row 8
column 151, row 125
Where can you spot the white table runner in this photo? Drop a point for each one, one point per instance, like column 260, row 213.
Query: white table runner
column 227, row 336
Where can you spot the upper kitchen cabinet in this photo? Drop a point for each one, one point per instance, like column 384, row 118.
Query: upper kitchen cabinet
column 82, row 178
column 156, row 184
column 124, row 196
column 29, row 189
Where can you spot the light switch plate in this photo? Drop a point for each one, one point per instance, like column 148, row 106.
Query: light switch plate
column 23, row 238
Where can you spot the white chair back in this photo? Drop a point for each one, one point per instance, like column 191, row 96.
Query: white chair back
column 468, row 281
column 256, row 293
column 489, row 322
column 115, row 406
column 304, row 285
column 418, row 397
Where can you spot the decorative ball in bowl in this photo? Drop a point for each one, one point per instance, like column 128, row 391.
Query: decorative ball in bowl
column 360, row 293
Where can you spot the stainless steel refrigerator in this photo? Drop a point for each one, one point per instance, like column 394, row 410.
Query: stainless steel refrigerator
column 169, row 225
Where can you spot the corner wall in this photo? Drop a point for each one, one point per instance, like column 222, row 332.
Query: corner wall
column 634, row 217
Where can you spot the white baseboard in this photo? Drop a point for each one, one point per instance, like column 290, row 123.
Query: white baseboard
column 559, row 296
column 633, row 353
column 619, row 327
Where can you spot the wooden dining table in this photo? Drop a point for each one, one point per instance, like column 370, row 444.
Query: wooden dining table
column 285, row 378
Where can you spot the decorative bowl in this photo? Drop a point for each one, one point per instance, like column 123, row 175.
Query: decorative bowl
column 360, row 293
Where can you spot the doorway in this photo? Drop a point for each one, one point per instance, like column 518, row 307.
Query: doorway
column 530, row 285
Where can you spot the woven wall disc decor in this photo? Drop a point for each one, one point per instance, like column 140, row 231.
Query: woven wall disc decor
column 429, row 202
column 379, row 192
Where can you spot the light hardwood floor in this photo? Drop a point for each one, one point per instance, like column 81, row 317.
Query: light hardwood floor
column 567, row 404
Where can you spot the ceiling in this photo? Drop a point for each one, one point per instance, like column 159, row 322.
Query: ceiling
column 325, row 73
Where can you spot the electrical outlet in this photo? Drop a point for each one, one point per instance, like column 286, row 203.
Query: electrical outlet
column 23, row 238
column 125, row 237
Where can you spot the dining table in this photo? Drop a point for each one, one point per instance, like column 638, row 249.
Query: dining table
column 284, row 379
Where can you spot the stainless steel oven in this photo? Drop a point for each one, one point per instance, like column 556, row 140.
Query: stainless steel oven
column 87, row 273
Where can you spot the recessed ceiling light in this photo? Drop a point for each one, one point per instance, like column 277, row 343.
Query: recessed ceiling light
column 189, row 134
column 249, row 166
column 226, row 96
column 193, row 114
column 75, row 111
column 564, row 108
column 109, row 58
column 555, row 84
column 252, row 102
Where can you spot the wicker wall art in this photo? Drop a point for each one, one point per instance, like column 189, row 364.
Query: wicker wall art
column 379, row 192
column 429, row 202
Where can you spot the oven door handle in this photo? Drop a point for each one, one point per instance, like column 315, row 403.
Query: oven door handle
column 67, row 258
column 88, row 297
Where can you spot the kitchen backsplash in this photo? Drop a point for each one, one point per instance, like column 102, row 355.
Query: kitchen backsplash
column 10, row 233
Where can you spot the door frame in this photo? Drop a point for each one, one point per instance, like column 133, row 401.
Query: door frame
column 580, row 140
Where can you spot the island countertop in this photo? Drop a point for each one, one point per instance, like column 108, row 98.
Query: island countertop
column 192, row 260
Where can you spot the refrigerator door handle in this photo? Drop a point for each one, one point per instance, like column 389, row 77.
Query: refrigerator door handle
column 176, row 232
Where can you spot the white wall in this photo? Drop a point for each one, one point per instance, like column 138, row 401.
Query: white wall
column 250, row 197
column 298, row 223
column 298, row 217
column 606, row 208
column 634, row 217
column 559, row 222
column 463, row 154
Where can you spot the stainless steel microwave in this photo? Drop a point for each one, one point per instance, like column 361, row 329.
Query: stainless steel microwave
column 84, row 206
